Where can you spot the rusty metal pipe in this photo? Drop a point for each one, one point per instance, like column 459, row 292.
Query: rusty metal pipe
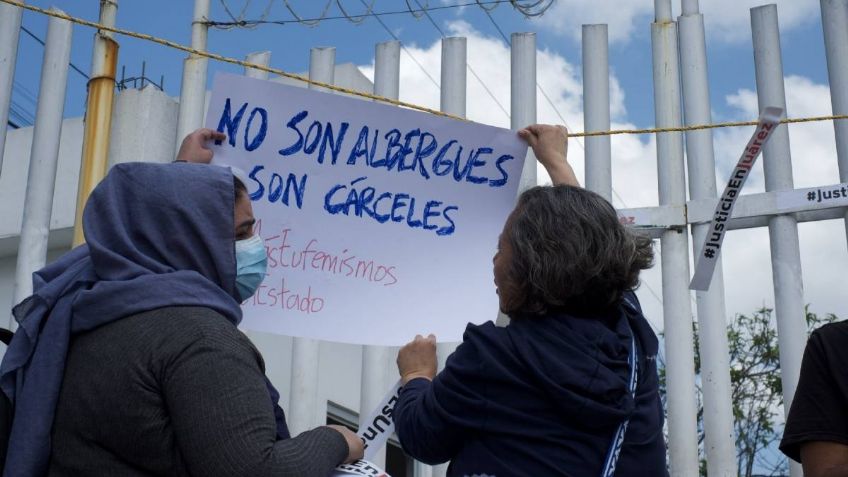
column 98, row 115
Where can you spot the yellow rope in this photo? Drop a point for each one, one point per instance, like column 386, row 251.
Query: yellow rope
column 235, row 61
column 698, row 127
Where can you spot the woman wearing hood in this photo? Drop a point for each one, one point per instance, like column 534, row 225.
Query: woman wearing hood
column 569, row 387
column 127, row 359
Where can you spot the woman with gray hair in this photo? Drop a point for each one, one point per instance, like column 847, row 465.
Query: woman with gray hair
column 570, row 386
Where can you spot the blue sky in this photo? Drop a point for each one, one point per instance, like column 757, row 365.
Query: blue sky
column 731, row 65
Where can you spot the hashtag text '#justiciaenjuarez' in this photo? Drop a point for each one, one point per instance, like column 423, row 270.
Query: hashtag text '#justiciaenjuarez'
column 819, row 195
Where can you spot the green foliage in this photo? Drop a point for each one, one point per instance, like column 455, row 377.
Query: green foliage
column 756, row 389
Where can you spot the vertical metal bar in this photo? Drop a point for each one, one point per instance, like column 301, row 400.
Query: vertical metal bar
column 260, row 58
column 783, row 229
column 98, row 113
column 453, row 101
column 834, row 15
column 523, row 106
column 387, row 69
column 375, row 359
column 662, row 11
column 712, row 318
column 305, row 413
column 44, row 156
column 523, row 96
column 10, row 30
column 193, row 90
column 677, row 312
column 690, row 7
column 596, row 109
column 453, row 82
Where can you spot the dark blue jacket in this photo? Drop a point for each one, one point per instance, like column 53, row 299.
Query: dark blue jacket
column 540, row 397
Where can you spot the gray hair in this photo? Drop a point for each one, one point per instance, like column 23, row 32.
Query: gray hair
column 570, row 253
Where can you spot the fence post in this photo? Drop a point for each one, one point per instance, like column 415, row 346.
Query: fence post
column 10, row 29
column 523, row 96
column 834, row 14
column 596, row 109
column 677, row 311
column 305, row 411
column 376, row 360
column 44, row 157
column 259, row 58
column 522, row 111
column 783, row 229
column 193, row 89
column 712, row 313
column 453, row 101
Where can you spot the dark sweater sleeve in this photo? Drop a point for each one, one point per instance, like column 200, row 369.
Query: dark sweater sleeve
column 424, row 433
column 433, row 419
column 223, row 419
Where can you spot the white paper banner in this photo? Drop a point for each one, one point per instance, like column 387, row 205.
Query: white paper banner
column 380, row 222
column 360, row 467
column 376, row 429
column 707, row 259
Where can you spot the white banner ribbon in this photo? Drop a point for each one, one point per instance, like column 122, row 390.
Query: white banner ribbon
column 360, row 467
column 707, row 259
column 374, row 431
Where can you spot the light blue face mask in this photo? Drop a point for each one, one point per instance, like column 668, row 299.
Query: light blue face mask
column 251, row 264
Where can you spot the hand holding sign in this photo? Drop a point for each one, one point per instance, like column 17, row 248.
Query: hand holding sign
column 417, row 359
column 194, row 147
column 550, row 145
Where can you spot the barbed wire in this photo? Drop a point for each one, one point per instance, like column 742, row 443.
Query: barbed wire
column 369, row 9
column 528, row 8
column 277, row 71
column 305, row 21
column 239, row 21
column 420, row 14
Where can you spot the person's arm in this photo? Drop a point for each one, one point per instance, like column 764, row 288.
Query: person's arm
column 824, row 459
column 433, row 411
column 193, row 147
column 223, row 420
column 550, row 145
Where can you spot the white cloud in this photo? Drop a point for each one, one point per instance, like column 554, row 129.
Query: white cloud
column 725, row 20
column 746, row 256
column 567, row 17
column 730, row 20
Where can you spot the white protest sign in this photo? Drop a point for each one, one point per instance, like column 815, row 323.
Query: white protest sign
column 379, row 222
